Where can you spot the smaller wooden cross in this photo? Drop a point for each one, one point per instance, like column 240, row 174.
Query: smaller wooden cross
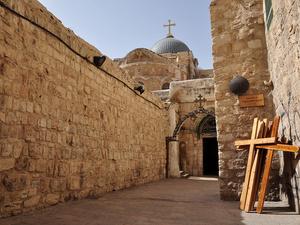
column 169, row 25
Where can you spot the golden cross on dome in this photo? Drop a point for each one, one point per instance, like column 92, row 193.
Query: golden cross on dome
column 169, row 25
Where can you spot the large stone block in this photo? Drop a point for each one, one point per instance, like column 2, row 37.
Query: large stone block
column 6, row 164
column 33, row 201
column 52, row 199
column 14, row 182
column 74, row 183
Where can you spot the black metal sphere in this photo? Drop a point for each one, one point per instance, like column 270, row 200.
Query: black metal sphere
column 239, row 85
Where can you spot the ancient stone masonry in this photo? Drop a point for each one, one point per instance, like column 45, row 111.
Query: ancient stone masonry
column 151, row 69
column 183, row 94
column 156, row 71
column 68, row 129
column 239, row 48
column 283, row 37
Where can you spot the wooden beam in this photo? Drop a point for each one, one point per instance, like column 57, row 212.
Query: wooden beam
column 249, row 165
column 258, row 141
column 251, row 193
column 267, row 168
column 280, row 147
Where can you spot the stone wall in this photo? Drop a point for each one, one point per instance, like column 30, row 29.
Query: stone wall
column 151, row 69
column 283, row 40
column 204, row 73
column 154, row 70
column 239, row 48
column 68, row 129
column 185, row 61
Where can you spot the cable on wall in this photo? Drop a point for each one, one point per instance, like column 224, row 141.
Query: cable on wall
column 75, row 52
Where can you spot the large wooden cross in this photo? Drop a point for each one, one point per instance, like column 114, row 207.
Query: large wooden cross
column 256, row 129
column 169, row 25
column 264, row 137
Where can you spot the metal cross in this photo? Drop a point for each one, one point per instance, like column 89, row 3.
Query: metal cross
column 201, row 100
column 169, row 25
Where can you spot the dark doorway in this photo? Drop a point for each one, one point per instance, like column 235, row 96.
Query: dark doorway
column 210, row 157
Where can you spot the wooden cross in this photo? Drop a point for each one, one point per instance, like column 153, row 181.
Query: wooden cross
column 267, row 168
column 257, row 167
column 258, row 130
column 249, row 163
column 255, row 170
column 169, row 25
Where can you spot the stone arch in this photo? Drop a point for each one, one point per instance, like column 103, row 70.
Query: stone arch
column 206, row 126
column 192, row 114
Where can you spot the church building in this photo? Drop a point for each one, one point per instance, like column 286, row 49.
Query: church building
column 170, row 70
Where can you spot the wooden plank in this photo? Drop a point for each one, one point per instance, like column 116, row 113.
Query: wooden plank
column 266, row 128
column 252, row 100
column 258, row 141
column 280, row 147
column 250, row 193
column 264, row 182
column 261, row 161
column 260, row 164
column 267, row 133
column 250, row 199
column 267, row 168
column 249, row 166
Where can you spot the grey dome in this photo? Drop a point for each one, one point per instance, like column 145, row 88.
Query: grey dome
column 169, row 45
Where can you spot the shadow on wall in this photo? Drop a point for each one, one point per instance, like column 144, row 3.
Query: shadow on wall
column 291, row 134
column 290, row 180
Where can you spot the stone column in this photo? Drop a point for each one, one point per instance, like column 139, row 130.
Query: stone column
column 174, row 159
column 173, row 146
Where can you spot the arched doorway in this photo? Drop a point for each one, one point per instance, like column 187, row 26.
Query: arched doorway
column 188, row 149
column 206, row 132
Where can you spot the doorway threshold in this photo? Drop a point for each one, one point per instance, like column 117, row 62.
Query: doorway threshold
column 204, row 178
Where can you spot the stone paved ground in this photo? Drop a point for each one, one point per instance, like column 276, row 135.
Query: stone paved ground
column 168, row 202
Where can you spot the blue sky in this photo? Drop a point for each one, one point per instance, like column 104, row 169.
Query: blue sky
column 116, row 27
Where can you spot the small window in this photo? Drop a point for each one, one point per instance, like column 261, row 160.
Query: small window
column 166, row 86
column 269, row 13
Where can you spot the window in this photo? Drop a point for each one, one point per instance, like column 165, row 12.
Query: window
column 269, row 12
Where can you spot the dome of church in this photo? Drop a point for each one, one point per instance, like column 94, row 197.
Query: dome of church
column 169, row 45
